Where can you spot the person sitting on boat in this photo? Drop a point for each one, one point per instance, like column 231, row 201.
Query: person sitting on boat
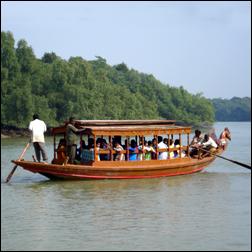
column 98, row 146
column 141, row 150
column 119, row 155
column 104, row 146
column 166, row 141
column 224, row 136
column 197, row 139
column 212, row 134
column 61, row 152
column 177, row 152
column 154, row 145
column 207, row 148
column 161, row 145
column 133, row 150
column 78, row 151
column 148, row 150
column 171, row 145
column 87, row 153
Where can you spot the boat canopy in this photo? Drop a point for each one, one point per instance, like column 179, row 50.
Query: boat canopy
column 126, row 127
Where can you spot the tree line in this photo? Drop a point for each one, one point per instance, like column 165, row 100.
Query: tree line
column 235, row 109
column 56, row 89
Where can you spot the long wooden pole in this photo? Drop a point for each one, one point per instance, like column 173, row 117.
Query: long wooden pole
column 233, row 161
column 15, row 167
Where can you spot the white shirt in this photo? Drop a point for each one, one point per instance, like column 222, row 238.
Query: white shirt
column 162, row 155
column 210, row 142
column 37, row 128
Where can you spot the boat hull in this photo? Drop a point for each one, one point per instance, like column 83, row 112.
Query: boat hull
column 118, row 170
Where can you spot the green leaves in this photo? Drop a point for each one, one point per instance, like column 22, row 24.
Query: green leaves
column 56, row 89
column 235, row 109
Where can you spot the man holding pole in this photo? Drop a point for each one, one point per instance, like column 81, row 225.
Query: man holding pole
column 71, row 139
column 37, row 128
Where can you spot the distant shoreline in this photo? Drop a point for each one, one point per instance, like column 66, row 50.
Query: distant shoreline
column 12, row 131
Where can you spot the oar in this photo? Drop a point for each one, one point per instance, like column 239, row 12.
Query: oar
column 15, row 167
column 233, row 161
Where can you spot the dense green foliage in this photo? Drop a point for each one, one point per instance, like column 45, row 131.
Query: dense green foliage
column 235, row 109
column 56, row 89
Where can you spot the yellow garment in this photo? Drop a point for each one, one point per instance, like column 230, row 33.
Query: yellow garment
column 171, row 154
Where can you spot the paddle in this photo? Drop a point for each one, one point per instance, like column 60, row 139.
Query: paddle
column 15, row 167
column 233, row 161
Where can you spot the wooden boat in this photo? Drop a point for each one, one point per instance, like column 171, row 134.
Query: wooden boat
column 110, row 169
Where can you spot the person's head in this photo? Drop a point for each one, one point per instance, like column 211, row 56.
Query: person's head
column 117, row 144
column 71, row 119
column 206, row 137
column 227, row 130
column 171, row 142
column 35, row 116
column 82, row 143
column 166, row 141
column 133, row 143
column 160, row 139
column 177, row 142
column 198, row 133
column 150, row 143
column 90, row 143
column 62, row 141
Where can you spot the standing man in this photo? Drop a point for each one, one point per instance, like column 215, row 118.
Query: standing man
column 37, row 128
column 71, row 139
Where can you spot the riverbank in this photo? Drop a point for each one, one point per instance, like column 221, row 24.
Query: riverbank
column 12, row 131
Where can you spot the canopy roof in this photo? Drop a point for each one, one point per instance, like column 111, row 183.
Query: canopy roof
column 126, row 127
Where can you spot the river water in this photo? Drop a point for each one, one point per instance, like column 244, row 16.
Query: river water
column 210, row 210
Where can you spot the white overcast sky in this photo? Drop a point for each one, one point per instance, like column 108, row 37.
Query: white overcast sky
column 203, row 46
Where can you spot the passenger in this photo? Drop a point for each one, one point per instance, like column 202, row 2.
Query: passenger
column 177, row 152
column 133, row 150
column 154, row 145
column 207, row 148
column 197, row 138
column 87, row 154
column 171, row 145
column 90, row 143
column 165, row 141
column 149, row 150
column 78, row 151
column 196, row 141
column 212, row 134
column 61, row 151
column 98, row 146
column 91, row 148
column 104, row 146
column 224, row 136
column 119, row 155
column 161, row 145
column 142, row 150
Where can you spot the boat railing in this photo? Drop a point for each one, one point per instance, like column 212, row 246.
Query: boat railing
column 139, row 133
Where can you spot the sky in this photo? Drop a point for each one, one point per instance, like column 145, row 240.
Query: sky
column 203, row 46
